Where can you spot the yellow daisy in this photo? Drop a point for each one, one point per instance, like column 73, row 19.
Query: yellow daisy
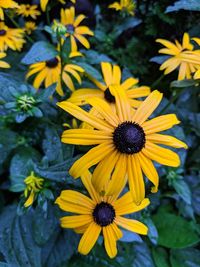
column 74, row 31
column 3, row 64
column 126, row 142
column 33, row 186
column 111, row 76
column 44, row 3
column 30, row 26
column 28, row 11
column 182, row 56
column 11, row 38
column 6, row 4
column 127, row 6
column 49, row 72
column 99, row 214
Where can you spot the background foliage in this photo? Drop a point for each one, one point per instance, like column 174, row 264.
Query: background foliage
column 30, row 141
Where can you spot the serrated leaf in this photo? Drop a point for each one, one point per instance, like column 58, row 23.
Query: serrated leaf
column 185, row 258
column 174, row 231
column 193, row 5
column 40, row 51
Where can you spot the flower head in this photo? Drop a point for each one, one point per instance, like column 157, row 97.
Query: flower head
column 6, row 4
column 50, row 72
column 182, row 56
column 99, row 214
column 30, row 26
column 28, row 11
column 125, row 142
column 3, row 64
column 111, row 76
column 33, row 186
column 74, row 30
column 11, row 38
column 44, row 3
column 127, row 6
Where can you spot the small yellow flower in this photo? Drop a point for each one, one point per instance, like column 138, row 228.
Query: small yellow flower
column 111, row 76
column 182, row 56
column 30, row 26
column 74, row 31
column 28, row 11
column 127, row 6
column 6, row 4
column 99, row 214
column 44, row 3
column 11, row 38
column 33, row 186
column 50, row 72
column 125, row 142
column 3, row 64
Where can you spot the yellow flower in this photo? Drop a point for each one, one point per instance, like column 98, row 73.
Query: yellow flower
column 96, row 214
column 3, row 64
column 112, row 76
column 127, row 6
column 126, row 142
column 33, row 186
column 182, row 56
column 74, row 31
column 50, row 72
column 6, row 4
column 28, row 10
column 11, row 38
column 30, row 26
column 44, row 3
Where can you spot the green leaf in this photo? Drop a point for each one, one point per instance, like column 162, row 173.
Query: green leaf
column 183, row 83
column 40, row 51
column 182, row 189
column 174, row 231
column 152, row 231
column 142, row 256
column 16, row 242
column 90, row 70
column 185, row 257
column 127, row 24
column 193, row 5
column 160, row 257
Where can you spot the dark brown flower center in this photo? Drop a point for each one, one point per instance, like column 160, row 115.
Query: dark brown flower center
column 129, row 138
column 2, row 32
column 104, row 214
column 108, row 96
column 52, row 63
column 70, row 28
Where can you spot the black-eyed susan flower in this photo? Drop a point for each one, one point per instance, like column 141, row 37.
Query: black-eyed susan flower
column 33, row 186
column 44, row 3
column 111, row 76
column 30, row 26
column 49, row 72
column 74, row 31
column 3, row 64
column 127, row 6
column 28, row 11
column 126, row 142
column 11, row 38
column 182, row 57
column 6, row 4
column 99, row 214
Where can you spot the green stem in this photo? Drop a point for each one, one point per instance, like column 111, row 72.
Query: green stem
column 47, row 15
column 157, row 81
column 18, row 26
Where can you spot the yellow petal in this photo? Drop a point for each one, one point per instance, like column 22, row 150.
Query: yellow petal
column 116, row 75
column 166, row 140
column 83, row 40
column 79, row 97
column 87, row 181
column 160, row 123
column 132, row 225
column 89, row 238
column 75, row 221
column 110, row 241
column 147, row 107
column 129, row 83
column 161, row 155
column 94, row 156
column 79, row 19
column 106, row 68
